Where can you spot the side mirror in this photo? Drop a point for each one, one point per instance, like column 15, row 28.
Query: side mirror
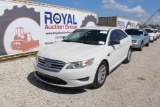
column 114, row 42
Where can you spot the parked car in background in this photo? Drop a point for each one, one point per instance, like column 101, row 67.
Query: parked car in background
column 156, row 32
column 84, row 57
column 140, row 37
column 152, row 35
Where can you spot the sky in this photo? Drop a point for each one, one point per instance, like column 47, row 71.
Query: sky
column 139, row 10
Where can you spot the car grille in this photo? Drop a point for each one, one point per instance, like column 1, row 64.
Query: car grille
column 50, row 64
column 50, row 79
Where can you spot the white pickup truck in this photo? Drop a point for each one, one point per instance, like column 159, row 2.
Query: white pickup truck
column 85, row 57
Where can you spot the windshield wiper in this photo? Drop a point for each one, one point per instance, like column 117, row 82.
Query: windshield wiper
column 85, row 42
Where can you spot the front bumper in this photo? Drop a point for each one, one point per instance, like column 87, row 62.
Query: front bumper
column 136, row 45
column 67, row 77
column 151, row 39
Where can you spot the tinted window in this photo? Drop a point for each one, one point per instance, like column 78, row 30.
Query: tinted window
column 134, row 32
column 87, row 36
column 155, row 31
column 149, row 30
column 121, row 34
column 145, row 33
column 114, row 36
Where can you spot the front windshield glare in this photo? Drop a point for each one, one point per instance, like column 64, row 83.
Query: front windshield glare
column 134, row 32
column 87, row 36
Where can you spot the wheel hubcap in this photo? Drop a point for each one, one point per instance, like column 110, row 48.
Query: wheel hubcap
column 101, row 74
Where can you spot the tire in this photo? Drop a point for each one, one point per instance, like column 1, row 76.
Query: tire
column 155, row 39
column 141, row 47
column 128, row 59
column 147, row 44
column 101, row 75
column 11, row 15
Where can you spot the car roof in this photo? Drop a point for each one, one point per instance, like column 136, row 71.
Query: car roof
column 99, row 27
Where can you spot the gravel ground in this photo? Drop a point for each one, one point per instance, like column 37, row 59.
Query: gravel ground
column 136, row 84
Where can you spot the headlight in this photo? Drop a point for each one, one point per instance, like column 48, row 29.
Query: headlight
column 135, row 41
column 80, row 64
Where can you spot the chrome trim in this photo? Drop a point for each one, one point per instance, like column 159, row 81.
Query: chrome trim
column 50, row 64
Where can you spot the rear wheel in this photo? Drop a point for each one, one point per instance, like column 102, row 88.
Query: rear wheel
column 101, row 74
column 128, row 59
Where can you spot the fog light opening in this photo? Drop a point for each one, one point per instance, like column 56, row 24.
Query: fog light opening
column 83, row 79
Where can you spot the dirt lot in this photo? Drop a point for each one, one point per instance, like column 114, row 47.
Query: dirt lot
column 135, row 84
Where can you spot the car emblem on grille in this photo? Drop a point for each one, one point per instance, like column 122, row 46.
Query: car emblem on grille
column 47, row 65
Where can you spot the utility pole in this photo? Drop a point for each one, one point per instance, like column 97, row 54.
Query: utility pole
column 151, row 16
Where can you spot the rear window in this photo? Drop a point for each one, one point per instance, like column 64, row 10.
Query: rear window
column 134, row 32
column 149, row 30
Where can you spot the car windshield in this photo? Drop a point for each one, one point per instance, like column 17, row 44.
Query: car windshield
column 149, row 30
column 134, row 32
column 87, row 36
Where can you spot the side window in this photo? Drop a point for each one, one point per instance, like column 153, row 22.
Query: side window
column 145, row 33
column 114, row 36
column 121, row 34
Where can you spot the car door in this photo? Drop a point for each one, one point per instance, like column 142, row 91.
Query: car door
column 146, row 37
column 114, row 51
column 124, row 44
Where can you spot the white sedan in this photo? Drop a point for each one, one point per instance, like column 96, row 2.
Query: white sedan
column 85, row 57
column 153, row 36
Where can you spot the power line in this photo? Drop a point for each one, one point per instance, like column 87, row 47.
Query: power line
column 152, row 16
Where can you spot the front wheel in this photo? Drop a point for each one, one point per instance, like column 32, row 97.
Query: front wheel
column 128, row 59
column 101, row 75
column 155, row 39
column 147, row 44
column 141, row 47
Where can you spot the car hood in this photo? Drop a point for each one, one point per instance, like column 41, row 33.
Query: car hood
column 134, row 37
column 151, row 34
column 70, row 51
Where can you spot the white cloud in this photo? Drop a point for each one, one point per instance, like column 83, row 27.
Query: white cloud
column 113, row 5
column 109, row 1
column 132, row 1
column 155, row 20
column 123, row 8
column 144, row 17
column 139, row 13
